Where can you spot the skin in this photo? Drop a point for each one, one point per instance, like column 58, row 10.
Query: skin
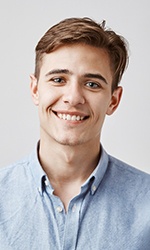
column 74, row 80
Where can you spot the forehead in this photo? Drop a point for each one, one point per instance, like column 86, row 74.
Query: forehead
column 79, row 58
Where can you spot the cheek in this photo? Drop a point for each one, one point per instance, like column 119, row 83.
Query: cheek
column 48, row 98
column 100, row 112
column 101, row 107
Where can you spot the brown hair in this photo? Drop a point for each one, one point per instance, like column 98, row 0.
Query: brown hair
column 87, row 31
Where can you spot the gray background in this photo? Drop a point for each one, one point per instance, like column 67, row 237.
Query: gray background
column 126, row 133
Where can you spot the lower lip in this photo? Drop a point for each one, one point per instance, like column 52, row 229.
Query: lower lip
column 71, row 121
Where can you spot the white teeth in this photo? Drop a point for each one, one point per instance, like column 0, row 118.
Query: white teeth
column 60, row 116
column 70, row 118
column 73, row 118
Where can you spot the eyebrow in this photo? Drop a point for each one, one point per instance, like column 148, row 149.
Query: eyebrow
column 68, row 72
column 97, row 76
column 58, row 71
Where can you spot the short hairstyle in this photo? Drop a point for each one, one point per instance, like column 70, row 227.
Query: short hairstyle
column 87, row 31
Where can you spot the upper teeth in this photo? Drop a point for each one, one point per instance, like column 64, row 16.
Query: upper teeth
column 70, row 117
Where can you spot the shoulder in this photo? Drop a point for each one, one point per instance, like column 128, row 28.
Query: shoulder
column 128, row 178
column 125, row 168
column 14, row 179
column 14, row 170
column 16, row 182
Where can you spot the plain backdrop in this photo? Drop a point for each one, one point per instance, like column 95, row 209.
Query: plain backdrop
column 22, row 23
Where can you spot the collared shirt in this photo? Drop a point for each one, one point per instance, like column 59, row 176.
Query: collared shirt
column 112, row 211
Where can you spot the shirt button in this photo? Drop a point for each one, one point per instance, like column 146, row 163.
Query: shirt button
column 46, row 183
column 59, row 209
column 93, row 188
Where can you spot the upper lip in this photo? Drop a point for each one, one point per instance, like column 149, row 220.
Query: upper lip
column 66, row 112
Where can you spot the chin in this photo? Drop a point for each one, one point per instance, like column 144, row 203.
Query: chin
column 70, row 141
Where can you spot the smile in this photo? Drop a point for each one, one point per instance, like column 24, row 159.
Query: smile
column 70, row 117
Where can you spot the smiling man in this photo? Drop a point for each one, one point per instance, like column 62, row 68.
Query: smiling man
column 69, row 193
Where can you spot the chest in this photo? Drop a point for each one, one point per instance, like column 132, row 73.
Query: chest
column 92, row 222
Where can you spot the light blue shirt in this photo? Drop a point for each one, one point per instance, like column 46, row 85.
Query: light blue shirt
column 112, row 212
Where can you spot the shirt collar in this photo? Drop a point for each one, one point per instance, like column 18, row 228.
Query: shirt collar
column 95, row 178
column 97, row 175
column 37, row 171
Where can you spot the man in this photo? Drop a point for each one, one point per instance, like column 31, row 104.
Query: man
column 69, row 193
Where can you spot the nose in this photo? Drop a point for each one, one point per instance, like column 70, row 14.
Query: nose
column 74, row 94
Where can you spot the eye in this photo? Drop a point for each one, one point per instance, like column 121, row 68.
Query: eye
column 58, row 80
column 93, row 85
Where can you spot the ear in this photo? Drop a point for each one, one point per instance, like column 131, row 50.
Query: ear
column 34, row 89
column 115, row 100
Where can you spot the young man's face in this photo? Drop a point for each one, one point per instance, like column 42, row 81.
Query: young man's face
column 73, row 94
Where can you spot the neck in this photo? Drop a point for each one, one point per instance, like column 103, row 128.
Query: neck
column 68, row 167
column 60, row 160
